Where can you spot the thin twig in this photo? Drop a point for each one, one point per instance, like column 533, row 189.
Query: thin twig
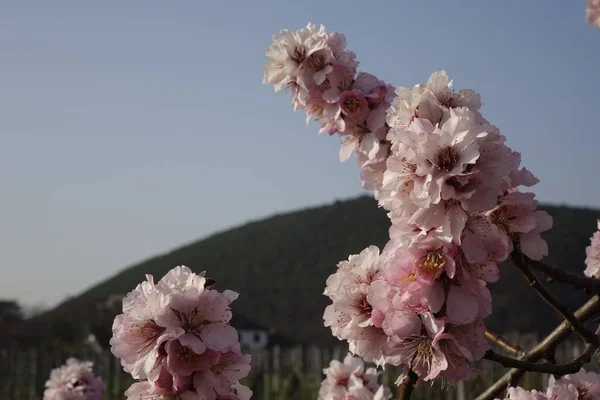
column 561, row 276
column 407, row 387
column 571, row 367
column 550, row 342
column 545, row 294
column 503, row 344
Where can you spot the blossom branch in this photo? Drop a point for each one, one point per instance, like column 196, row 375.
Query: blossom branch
column 550, row 342
column 560, row 275
column 571, row 367
column 407, row 387
column 503, row 344
column 519, row 260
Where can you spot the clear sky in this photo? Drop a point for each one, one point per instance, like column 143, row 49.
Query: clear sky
column 129, row 128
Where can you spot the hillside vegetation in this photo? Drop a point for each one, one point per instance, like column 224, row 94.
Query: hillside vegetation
column 280, row 264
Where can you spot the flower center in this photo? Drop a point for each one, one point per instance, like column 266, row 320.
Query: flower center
column 363, row 305
column 149, row 332
column 186, row 355
column 424, row 353
column 431, row 263
column 446, row 158
column 299, row 54
column 352, row 104
column 502, row 217
column 450, row 100
column 316, row 62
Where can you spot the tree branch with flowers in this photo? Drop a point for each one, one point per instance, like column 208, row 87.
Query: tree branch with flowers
column 454, row 193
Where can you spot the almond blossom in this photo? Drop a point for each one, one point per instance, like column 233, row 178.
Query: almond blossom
column 592, row 12
column 451, row 188
column 74, row 381
column 176, row 337
column 592, row 261
column 350, row 378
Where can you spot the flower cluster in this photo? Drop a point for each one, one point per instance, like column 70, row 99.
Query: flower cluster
column 592, row 12
column 592, row 260
column 175, row 337
column 321, row 76
column 582, row 385
column 74, row 381
column 349, row 380
column 451, row 187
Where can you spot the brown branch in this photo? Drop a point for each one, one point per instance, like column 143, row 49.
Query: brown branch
column 550, row 342
column 561, row 276
column 503, row 344
column 571, row 367
column 407, row 387
column 519, row 260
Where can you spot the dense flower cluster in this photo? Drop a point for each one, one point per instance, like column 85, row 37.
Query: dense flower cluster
column 74, row 381
column 592, row 12
column 580, row 386
column 321, row 76
column 175, row 337
column 349, row 380
column 592, row 260
column 450, row 185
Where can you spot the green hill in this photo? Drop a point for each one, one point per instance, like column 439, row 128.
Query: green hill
column 280, row 264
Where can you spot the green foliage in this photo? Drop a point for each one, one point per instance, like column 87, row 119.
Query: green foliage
column 280, row 264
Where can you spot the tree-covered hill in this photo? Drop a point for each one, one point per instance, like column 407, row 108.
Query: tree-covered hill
column 280, row 264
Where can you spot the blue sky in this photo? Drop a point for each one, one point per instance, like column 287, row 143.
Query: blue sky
column 129, row 128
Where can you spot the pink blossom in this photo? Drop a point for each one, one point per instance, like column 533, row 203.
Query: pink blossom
column 592, row 260
column 592, row 12
column 354, row 104
column 348, row 288
column 289, row 52
column 172, row 332
column 433, row 101
column 518, row 219
column 582, row 385
column 517, row 393
column 418, row 348
column 483, row 242
column 414, row 271
column 146, row 391
column 74, row 381
column 340, row 377
column 136, row 333
column 467, row 300
column 367, row 343
column 219, row 378
column 204, row 315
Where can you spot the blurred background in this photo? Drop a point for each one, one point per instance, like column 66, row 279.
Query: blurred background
column 136, row 136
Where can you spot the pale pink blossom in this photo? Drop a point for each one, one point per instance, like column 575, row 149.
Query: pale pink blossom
column 582, row 385
column 432, row 101
column 146, row 391
column 592, row 260
column 416, row 347
column 74, row 381
column 219, row 378
column 518, row 218
column 340, row 377
column 415, row 272
column 136, row 333
column 461, row 160
column 175, row 331
column 592, row 12
column 203, row 314
column 350, row 317
column 518, row 393
column 289, row 52
column 348, row 289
